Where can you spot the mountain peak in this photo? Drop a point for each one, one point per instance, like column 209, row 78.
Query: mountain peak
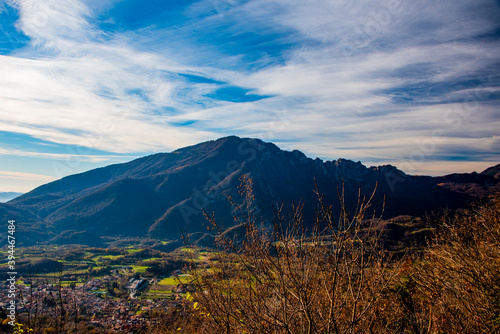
column 162, row 194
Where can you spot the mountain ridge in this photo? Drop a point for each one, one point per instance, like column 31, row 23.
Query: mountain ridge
column 162, row 194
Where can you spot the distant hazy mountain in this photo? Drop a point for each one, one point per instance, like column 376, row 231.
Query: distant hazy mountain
column 7, row 196
column 163, row 194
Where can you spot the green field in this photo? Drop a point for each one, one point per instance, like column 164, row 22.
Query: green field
column 138, row 269
column 168, row 281
column 172, row 280
column 111, row 257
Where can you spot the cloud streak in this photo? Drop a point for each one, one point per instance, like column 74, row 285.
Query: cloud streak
column 64, row 157
column 25, row 176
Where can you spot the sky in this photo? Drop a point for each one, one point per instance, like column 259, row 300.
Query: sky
column 88, row 83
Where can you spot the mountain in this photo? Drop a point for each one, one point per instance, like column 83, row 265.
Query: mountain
column 7, row 196
column 493, row 171
column 164, row 194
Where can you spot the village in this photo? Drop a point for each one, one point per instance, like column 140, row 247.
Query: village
column 91, row 303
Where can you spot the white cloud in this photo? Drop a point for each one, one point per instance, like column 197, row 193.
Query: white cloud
column 53, row 23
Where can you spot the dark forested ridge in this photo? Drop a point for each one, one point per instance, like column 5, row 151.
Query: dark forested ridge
column 163, row 194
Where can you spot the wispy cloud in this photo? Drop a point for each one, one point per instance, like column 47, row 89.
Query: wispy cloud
column 65, row 157
column 356, row 80
column 25, row 176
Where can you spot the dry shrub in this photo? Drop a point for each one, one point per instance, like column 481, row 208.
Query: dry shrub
column 459, row 279
column 285, row 279
column 337, row 278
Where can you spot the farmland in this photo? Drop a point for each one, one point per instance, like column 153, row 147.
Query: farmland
column 101, row 285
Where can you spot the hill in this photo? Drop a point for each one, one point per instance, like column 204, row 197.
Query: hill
column 493, row 171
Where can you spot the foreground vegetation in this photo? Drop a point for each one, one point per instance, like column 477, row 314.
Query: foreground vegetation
column 337, row 277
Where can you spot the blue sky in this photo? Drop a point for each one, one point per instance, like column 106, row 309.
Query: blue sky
column 87, row 83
